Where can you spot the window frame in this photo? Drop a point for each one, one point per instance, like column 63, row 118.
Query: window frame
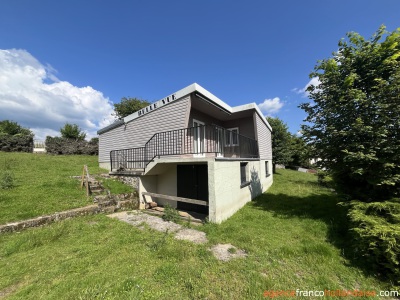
column 246, row 181
column 229, row 141
column 267, row 169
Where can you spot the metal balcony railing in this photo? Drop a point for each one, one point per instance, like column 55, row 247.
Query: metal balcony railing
column 194, row 140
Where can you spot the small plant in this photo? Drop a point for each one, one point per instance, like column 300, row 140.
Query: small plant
column 7, row 177
column 232, row 250
column 156, row 244
column 7, row 180
column 323, row 178
column 188, row 222
column 170, row 214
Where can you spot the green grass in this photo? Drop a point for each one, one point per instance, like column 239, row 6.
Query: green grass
column 292, row 234
column 43, row 184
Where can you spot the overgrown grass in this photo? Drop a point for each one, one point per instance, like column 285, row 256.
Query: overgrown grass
column 114, row 185
column 42, row 184
column 292, row 235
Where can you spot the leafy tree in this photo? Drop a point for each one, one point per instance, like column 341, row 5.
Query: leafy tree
column 353, row 120
column 72, row 131
column 128, row 106
column 281, row 142
column 300, row 152
column 13, row 128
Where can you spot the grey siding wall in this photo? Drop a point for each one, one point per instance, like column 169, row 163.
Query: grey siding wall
column 246, row 126
column 264, row 138
column 137, row 132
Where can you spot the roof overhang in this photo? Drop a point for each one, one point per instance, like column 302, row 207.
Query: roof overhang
column 200, row 92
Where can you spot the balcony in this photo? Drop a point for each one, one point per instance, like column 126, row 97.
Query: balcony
column 193, row 141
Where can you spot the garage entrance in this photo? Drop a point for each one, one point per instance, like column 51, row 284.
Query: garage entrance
column 192, row 182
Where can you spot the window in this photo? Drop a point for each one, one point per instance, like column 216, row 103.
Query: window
column 267, row 173
column 232, row 137
column 243, row 175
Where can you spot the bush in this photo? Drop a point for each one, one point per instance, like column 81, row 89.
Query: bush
column 7, row 175
column 59, row 145
column 16, row 143
column 171, row 214
column 375, row 227
column 324, row 178
column 6, row 180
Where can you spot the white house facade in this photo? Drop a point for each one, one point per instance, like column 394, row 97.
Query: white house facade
column 192, row 151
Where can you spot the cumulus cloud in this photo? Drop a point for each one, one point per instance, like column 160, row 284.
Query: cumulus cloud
column 271, row 106
column 32, row 95
column 314, row 81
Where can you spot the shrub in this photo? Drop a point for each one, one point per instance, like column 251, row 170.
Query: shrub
column 170, row 214
column 6, row 179
column 60, row 145
column 324, row 178
column 375, row 227
column 16, row 143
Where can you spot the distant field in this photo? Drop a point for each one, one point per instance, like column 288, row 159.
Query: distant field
column 293, row 236
column 43, row 184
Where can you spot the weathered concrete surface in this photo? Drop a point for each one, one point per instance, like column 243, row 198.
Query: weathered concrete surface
column 137, row 218
column 223, row 252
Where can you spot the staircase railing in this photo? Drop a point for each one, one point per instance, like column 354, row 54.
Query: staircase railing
column 186, row 141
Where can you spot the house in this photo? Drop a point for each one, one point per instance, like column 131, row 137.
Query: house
column 192, row 151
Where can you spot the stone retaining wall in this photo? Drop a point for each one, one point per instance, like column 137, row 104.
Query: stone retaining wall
column 132, row 181
column 107, row 205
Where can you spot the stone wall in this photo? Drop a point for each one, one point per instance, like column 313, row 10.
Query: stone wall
column 105, row 204
column 132, row 181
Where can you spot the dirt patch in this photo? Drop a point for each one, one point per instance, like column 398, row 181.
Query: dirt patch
column 10, row 290
column 137, row 218
column 192, row 235
column 226, row 252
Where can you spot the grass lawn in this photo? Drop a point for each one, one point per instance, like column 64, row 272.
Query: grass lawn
column 292, row 235
column 43, row 184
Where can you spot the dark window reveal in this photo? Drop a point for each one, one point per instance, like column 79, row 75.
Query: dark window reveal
column 243, row 174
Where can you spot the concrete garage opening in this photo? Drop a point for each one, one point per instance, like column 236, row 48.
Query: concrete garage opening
column 192, row 182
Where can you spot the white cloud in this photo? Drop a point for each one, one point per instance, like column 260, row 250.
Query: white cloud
column 33, row 96
column 271, row 106
column 314, row 81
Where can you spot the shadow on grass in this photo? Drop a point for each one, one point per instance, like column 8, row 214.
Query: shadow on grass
column 319, row 207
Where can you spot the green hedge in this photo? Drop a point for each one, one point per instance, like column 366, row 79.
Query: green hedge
column 59, row 145
column 16, row 143
column 376, row 230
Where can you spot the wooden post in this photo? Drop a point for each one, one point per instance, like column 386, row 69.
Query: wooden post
column 85, row 179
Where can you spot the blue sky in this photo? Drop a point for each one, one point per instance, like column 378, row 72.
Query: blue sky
column 67, row 61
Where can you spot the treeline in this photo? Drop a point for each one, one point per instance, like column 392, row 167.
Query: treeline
column 15, row 138
column 72, row 141
column 68, row 146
